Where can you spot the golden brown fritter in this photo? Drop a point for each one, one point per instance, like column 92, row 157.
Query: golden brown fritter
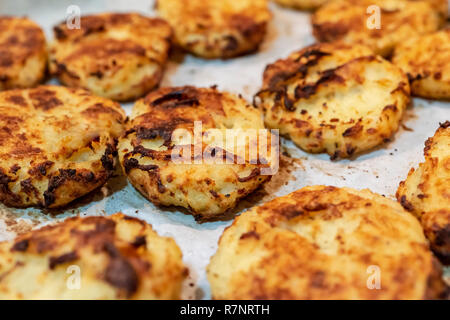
column 217, row 28
column 172, row 163
column 347, row 20
column 115, row 257
column 335, row 98
column 426, row 61
column 23, row 53
column 302, row 4
column 115, row 55
column 56, row 144
column 426, row 192
column 325, row 243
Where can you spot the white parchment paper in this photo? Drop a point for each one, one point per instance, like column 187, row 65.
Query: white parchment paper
column 380, row 170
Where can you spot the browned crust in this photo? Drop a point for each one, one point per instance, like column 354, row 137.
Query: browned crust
column 212, row 31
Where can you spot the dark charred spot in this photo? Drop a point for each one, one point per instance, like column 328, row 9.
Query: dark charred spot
column 311, row 56
column 119, row 272
column 316, row 206
column 6, row 59
column 130, row 164
column 24, row 148
column 92, row 24
column 59, row 32
column 67, row 257
column 108, row 158
column 28, row 187
column 153, row 154
column 4, row 181
column 402, row 88
column 55, row 182
column 329, row 31
column 335, row 155
column 412, row 78
column 437, row 75
column 308, row 90
column 165, row 133
column 304, row 92
column 183, row 97
column 288, row 103
column 111, row 250
column 21, row 246
column 90, row 143
column 62, row 68
column 9, row 124
column 214, row 193
column 14, row 168
column 290, row 211
column 103, row 229
column 160, row 185
column 350, row 149
column 99, row 109
column 318, row 279
column 98, row 74
column 315, row 53
column 392, row 107
column 246, row 25
column 442, row 235
column 88, row 176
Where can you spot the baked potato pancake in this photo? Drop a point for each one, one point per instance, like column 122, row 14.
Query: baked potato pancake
column 120, row 56
column 97, row 257
column 23, row 53
column 335, row 98
column 190, row 147
column 323, row 242
column 426, row 61
column 56, row 144
column 217, row 28
column 426, row 192
column 357, row 21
